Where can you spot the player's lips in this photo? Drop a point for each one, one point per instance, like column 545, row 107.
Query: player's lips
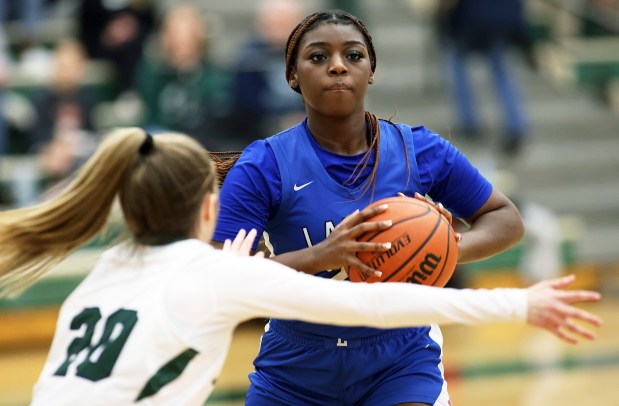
column 339, row 86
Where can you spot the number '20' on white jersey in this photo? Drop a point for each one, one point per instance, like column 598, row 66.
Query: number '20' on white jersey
column 153, row 325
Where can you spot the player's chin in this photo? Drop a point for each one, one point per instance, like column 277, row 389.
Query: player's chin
column 338, row 108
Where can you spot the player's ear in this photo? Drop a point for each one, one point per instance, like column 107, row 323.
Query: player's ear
column 371, row 79
column 210, row 207
column 293, row 80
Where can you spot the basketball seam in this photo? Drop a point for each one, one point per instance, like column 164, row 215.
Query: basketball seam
column 417, row 251
column 428, row 210
column 446, row 252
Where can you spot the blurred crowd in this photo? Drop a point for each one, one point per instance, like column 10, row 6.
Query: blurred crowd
column 72, row 69
column 130, row 62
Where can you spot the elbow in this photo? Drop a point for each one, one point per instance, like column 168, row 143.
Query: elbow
column 517, row 226
column 518, row 230
column 513, row 226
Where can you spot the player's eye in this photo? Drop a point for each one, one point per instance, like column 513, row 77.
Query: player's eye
column 317, row 57
column 355, row 56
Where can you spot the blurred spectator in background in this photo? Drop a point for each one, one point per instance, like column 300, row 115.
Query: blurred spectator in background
column 262, row 101
column 542, row 256
column 5, row 63
column 62, row 135
column 29, row 15
column 23, row 20
column 116, row 31
column 180, row 88
column 600, row 20
column 487, row 28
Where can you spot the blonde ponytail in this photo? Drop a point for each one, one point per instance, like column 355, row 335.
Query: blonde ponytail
column 34, row 239
column 160, row 184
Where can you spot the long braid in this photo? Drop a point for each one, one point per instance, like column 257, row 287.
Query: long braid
column 373, row 129
column 373, row 126
column 224, row 161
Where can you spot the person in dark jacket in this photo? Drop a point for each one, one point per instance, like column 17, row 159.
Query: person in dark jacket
column 487, row 28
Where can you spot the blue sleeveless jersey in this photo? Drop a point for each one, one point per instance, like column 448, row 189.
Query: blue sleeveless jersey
column 313, row 203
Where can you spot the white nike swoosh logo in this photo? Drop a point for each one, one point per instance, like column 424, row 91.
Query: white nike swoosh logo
column 297, row 188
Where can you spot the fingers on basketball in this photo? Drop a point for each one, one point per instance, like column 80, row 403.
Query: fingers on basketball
column 423, row 245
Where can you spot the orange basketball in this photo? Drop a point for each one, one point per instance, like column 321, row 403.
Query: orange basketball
column 423, row 245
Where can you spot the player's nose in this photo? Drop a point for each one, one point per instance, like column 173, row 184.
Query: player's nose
column 337, row 66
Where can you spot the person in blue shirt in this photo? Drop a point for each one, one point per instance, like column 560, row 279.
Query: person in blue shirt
column 298, row 185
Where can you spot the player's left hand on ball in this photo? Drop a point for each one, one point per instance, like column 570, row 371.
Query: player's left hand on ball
column 439, row 206
column 550, row 307
column 340, row 248
column 242, row 243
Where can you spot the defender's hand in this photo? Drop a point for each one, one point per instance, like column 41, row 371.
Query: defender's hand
column 550, row 308
column 242, row 244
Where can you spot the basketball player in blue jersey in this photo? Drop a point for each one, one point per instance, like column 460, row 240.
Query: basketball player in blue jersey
column 298, row 185
column 152, row 323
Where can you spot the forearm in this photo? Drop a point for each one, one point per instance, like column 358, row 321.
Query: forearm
column 307, row 260
column 449, row 306
column 490, row 234
column 393, row 305
column 279, row 292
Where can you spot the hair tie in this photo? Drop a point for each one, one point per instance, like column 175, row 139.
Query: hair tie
column 147, row 145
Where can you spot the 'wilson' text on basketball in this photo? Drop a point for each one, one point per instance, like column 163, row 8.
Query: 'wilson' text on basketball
column 426, row 268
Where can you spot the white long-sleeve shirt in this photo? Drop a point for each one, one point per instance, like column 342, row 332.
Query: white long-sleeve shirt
column 143, row 310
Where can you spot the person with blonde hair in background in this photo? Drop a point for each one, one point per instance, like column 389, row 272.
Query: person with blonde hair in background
column 153, row 321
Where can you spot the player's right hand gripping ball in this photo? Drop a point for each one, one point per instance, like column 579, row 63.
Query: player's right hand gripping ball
column 423, row 245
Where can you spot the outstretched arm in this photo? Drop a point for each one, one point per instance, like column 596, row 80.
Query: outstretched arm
column 270, row 290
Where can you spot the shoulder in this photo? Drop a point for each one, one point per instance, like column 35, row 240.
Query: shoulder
column 257, row 154
column 421, row 133
column 259, row 157
column 415, row 130
column 288, row 135
column 428, row 140
column 255, row 172
column 423, row 138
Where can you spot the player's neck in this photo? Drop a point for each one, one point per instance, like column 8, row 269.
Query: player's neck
column 346, row 136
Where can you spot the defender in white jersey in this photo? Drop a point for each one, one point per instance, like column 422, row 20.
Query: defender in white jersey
column 152, row 323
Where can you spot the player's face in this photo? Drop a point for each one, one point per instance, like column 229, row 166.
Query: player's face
column 333, row 69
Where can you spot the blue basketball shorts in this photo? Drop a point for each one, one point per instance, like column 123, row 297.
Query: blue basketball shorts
column 397, row 366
